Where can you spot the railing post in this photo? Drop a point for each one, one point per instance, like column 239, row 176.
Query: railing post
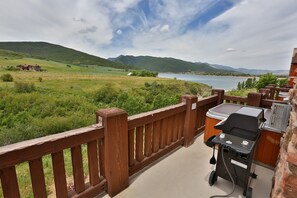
column 254, row 99
column 220, row 93
column 271, row 88
column 264, row 92
column 115, row 122
column 190, row 119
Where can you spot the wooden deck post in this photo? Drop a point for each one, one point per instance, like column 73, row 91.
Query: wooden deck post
column 271, row 88
column 254, row 99
column 220, row 93
column 264, row 92
column 115, row 122
column 190, row 119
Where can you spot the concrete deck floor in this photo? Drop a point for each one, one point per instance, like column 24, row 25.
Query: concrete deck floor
column 184, row 174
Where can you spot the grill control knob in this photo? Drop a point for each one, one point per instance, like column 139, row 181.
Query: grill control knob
column 244, row 142
column 222, row 136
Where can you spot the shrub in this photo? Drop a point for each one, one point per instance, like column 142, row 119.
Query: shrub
column 282, row 82
column 161, row 101
column 23, row 87
column 144, row 73
column 132, row 103
column 6, row 78
column 40, row 79
column 107, row 94
column 11, row 68
column 265, row 80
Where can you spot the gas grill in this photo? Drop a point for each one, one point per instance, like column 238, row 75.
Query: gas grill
column 236, row 147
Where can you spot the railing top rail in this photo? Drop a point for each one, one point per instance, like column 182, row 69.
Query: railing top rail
column 270, row 101
column 235, row 98
column 13, row 154
column 158, row 114
column 284, row 89
column 207, row 100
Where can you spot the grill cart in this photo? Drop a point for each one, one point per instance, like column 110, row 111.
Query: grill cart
column 236, row 148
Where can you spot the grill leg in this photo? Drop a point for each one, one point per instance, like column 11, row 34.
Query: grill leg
column 254, row 175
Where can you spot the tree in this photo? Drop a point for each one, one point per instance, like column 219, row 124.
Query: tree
column 265, row 80
column 254, row 79
column 239, row 86
column 249, row 83
column 242, row 85
column 254, row 82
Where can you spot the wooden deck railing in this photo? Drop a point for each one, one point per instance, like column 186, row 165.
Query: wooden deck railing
column 32, row 151
column 235, row 99
column 267, row 103
column 203, row 105
column 153, row 134
column 156, row 133
column 272, row 92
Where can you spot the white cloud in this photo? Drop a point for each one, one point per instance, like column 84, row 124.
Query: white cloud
column 119, row 32
column 119, row 5
column 34, row 20
column 259, row 33
column 165, row 28
column 230, row 49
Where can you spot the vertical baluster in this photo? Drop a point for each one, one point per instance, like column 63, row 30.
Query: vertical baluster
column 101, row 157
column 163, row 133
column 169, row 130
column 131, row 147
column 181, row 125
column 93, row 163
column 37, row 177
column 148, row 140
column 59, row 174
column 199, row 117
column 156, row 136
column 9, row 183
column 78, row 171
column 205, row 109
column 139, row 144
column 175, row 128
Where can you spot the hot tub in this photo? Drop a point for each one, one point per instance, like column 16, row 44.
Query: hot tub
column 268, row 147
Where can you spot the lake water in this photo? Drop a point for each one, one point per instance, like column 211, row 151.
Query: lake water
column 220, row 82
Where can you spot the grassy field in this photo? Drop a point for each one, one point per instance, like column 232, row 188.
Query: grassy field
column 64, row 92
column 64, row 97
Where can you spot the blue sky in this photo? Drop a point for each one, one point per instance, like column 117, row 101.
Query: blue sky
column 256, row 34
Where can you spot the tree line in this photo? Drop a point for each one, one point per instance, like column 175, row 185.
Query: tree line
column 263, row 81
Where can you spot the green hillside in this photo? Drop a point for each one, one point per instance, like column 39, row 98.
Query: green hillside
column 168, row 65
column 43, row 50
column 6, row 54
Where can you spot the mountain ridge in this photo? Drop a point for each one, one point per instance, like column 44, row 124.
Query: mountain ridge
column 59, row 53
column 251, row 71
column 168, row 64
column 156, row 63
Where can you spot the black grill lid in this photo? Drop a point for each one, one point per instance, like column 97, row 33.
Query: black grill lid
column 244, row 123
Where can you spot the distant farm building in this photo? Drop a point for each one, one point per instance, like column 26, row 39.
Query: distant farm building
column 26, row 67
